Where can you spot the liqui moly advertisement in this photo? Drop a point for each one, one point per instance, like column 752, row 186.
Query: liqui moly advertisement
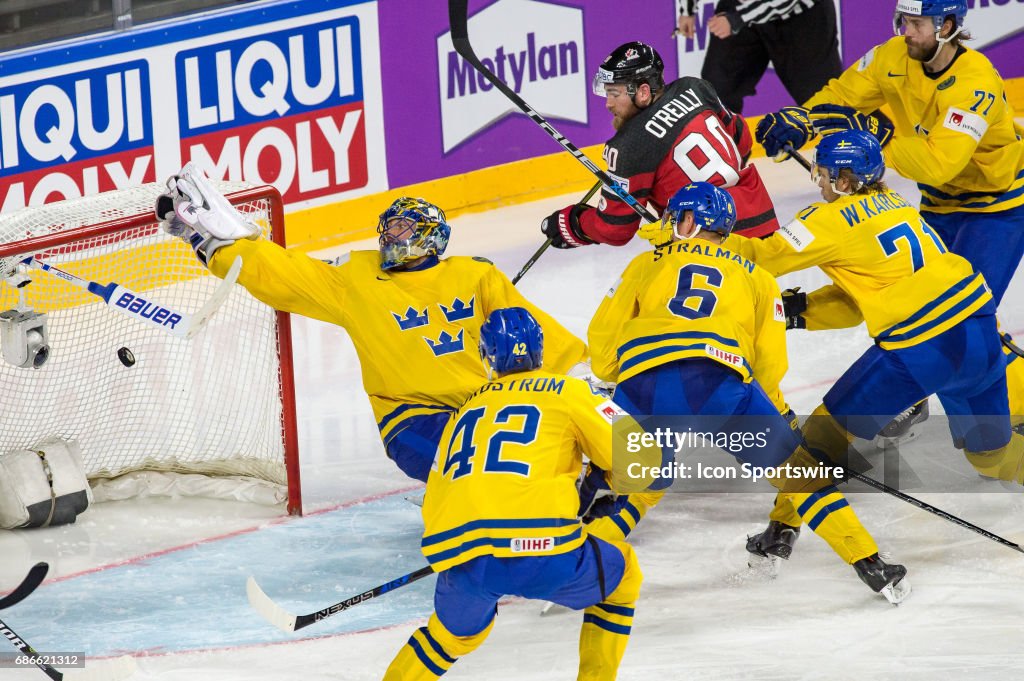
column 282, row 93
column 76, row 133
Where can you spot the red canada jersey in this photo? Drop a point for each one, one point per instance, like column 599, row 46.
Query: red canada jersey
column 685, row 136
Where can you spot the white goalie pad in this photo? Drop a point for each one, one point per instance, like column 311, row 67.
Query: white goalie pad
column 43, row 487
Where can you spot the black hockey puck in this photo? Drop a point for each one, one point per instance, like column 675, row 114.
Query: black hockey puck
column 126, row 356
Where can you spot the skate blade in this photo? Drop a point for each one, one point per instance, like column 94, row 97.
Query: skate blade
column 764, row 567
column 415, row 500
column 882, row 442
column 897, row 592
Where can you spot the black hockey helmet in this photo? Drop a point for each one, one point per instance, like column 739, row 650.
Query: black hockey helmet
column 631, row 64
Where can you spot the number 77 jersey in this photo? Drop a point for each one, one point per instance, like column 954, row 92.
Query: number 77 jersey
column 880, row 251
column 685, row 136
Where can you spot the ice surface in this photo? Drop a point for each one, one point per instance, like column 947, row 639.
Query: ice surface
column 165, row 579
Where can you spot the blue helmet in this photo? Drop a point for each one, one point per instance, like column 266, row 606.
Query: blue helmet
column 938, row 10
column 511, row 340
column 713, row 208
column 410, row 229
column 856, row 150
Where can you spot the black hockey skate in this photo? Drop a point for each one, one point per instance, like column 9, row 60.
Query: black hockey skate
column 768, row 549
column 885, row 579
column 901, row 428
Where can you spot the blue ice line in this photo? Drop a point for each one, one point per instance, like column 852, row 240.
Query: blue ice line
column 194, row 599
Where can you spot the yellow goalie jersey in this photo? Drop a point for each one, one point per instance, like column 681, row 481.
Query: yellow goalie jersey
column 416, row 332
column 504, row 480
column 885, row 258
column 955, row 133
column 692, row 299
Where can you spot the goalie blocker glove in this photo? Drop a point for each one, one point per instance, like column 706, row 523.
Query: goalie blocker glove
column 830, row 118
column 563, row 227
column 192, row 209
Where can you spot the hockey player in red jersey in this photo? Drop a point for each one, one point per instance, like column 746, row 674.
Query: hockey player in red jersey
column 667, row 136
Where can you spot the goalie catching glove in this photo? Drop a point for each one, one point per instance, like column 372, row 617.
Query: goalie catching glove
column 195, row 211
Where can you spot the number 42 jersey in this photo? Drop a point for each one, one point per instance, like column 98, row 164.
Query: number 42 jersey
column 504, row 480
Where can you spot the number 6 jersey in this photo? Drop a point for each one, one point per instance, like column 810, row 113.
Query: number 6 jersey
column 692, row 299
column 685, row 136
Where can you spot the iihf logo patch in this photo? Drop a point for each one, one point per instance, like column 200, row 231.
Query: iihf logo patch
column 531, row 544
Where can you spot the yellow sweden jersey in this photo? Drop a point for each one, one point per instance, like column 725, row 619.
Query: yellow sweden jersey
column 885, row 257
column 504, row 480
column 692, row 299
column 955, row 133
column 416, row 332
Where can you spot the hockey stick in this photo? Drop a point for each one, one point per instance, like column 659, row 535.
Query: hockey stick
column 286, row 621
column 105, row 670
column 540, row 251
column 127, row 302
column 925, row 506
column 797, row 156
column 34, row 578
column 459, row 22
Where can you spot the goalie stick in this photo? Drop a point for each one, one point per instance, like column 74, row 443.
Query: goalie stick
column 286, row 621
column 459, row 23
column 34, row 578
column 127, row 302
column 540, row 251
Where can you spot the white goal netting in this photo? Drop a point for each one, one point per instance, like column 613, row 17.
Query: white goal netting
column 217, row 404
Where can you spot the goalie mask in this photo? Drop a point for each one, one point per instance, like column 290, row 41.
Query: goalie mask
column 511, row 341
column 411, row 229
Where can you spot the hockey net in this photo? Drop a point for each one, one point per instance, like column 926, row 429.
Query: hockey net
column 220, row 403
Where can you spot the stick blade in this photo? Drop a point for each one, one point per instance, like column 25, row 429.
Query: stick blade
column 116, row 669
column 33, row 579
column 199, row 319
column 268, row 609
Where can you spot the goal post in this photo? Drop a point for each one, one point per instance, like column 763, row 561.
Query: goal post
column 220, row 403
